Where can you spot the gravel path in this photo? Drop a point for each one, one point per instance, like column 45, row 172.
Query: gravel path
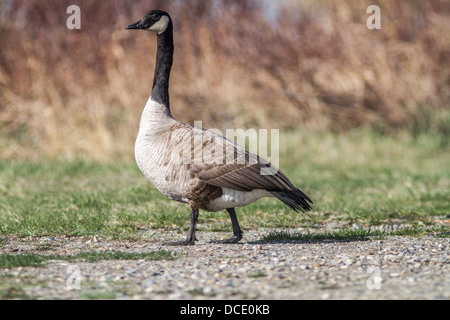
column 392, row 268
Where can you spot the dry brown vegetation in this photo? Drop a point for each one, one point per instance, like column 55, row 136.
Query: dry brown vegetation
column 66, row 93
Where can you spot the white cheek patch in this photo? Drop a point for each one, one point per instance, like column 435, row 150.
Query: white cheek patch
column 161, row 25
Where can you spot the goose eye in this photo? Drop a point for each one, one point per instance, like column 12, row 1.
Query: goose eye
column 155, row 16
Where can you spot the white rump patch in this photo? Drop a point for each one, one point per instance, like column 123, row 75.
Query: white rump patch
column 161, row 25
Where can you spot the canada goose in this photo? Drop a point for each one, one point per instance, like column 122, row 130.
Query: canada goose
column 200, row 174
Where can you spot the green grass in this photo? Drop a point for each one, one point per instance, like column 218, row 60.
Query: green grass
column 357, row 234
column 257, row 275
column 98, row 296
column 38, row 260
column 25, row 260
column 358, row 177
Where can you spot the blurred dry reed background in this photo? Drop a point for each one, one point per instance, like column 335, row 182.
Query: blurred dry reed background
column 313, row 65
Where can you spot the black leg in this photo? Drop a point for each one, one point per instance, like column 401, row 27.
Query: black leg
column 190, row 240
column 191, row 234
column 237, row 232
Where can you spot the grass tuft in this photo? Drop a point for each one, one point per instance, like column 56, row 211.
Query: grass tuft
column 358, row 234
column 37, row 260
column 340, row 235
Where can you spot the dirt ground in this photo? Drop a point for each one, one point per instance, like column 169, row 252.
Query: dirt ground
column 391, row 268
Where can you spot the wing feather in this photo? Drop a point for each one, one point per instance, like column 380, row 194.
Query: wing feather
column 238, row 169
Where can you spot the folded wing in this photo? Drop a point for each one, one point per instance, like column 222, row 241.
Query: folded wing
column 237, row 169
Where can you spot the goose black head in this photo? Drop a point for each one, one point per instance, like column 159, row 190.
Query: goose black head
column 156, row 20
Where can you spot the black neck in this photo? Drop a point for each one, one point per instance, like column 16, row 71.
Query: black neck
column 164, row 60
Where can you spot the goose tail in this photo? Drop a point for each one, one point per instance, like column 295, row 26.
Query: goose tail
column 294, row 199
